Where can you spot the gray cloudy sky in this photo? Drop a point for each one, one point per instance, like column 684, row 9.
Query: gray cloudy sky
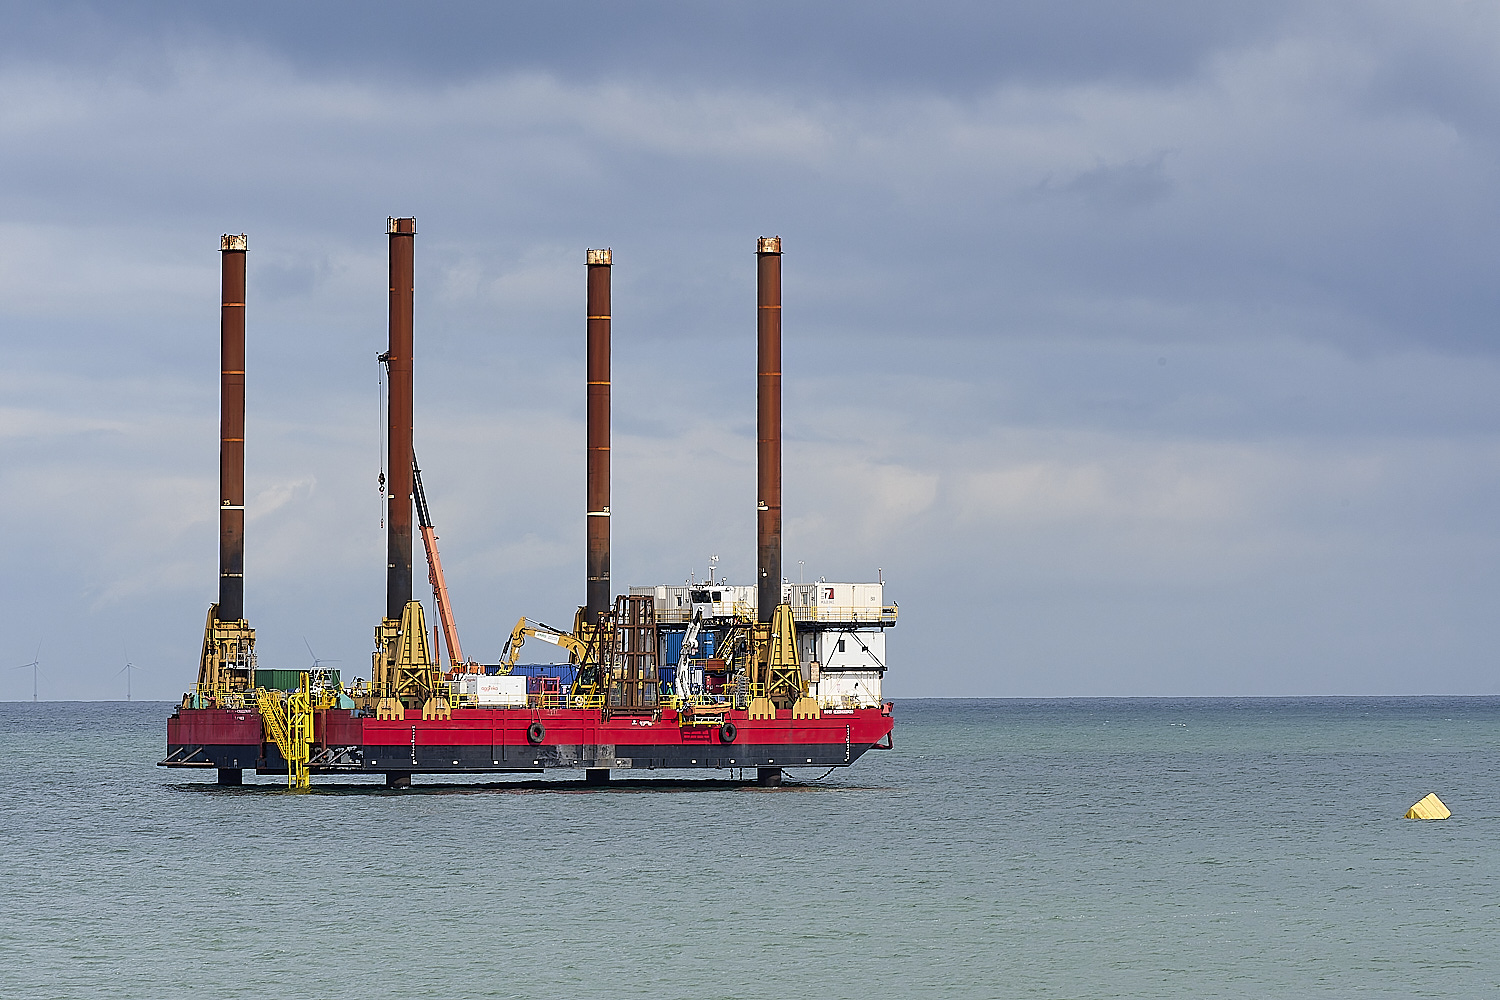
column 1148, row 348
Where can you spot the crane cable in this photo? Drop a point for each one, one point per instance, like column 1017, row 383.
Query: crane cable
column 380, row 407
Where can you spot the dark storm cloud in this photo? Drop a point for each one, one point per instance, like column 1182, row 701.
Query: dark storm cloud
column 1315, row 167
column 1160, row 335
column 946, row 45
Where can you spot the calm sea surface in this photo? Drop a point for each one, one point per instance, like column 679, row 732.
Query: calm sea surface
column 1088, row 848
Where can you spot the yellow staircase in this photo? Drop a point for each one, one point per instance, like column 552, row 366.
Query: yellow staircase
column 288, row 722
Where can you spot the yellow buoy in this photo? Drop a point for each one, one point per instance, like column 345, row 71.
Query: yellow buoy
column 1430, row 807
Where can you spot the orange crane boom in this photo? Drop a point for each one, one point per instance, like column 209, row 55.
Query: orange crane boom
column 435, row 570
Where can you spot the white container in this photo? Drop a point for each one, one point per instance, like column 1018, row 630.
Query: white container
column 508, row 690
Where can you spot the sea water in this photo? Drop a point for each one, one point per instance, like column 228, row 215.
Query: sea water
column 1078, row 848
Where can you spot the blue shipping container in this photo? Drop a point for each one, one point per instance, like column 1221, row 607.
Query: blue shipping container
column 562, row 671
column 706, row 643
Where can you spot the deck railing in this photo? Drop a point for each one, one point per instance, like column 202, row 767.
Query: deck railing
column 831, row 613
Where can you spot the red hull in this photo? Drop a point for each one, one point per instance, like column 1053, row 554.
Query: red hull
column 214, row 726
column 508, row 739
column 508, row 727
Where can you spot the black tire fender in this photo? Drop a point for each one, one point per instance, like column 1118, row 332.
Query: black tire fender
column 727, row 733
column 535, row 733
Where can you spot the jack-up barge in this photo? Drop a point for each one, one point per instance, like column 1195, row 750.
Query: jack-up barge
column 702, row 675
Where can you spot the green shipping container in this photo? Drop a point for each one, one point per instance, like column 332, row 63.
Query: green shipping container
column 285, row 680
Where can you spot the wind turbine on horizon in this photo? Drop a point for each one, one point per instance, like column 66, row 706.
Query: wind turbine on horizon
column 318, row 671
column 35, row 665
column 127, row 670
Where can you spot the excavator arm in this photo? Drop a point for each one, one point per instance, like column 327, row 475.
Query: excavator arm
column 528, row 629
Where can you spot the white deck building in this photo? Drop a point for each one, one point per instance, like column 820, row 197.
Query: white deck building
column 840, row 630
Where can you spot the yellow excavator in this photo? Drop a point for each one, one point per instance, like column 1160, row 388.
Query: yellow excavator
column 587, row 646
column 528, row 629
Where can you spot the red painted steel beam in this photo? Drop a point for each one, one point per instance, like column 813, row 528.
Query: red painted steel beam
column 231, row 606
column 768, row 426
column 398, row 588
column 598, row 600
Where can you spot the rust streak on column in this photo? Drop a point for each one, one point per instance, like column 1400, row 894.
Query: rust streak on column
column 402, row 234
column 598, row 601
column 768, row 426
column 231, row 606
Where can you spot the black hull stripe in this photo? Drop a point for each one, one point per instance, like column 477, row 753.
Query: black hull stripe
column 482, row 759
